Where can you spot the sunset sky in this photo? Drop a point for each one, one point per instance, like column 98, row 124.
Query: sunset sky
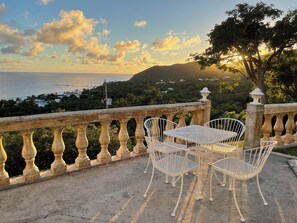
column 107, row 36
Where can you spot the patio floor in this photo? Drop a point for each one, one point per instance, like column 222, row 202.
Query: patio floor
column 113, row 193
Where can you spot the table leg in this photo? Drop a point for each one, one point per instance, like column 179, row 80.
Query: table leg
column 199, row 178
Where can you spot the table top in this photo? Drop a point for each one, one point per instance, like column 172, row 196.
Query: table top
column 200, row 134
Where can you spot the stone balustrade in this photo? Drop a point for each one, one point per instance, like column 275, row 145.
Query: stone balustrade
column 26, row 125
column 279, row 122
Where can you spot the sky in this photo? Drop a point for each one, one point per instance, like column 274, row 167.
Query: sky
column 107, row 36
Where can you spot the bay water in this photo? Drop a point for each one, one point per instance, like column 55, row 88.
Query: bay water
column 22, row 84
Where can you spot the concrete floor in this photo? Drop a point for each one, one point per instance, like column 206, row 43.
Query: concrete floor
column 113, row 193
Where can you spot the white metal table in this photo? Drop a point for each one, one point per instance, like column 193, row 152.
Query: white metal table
column 200, row 135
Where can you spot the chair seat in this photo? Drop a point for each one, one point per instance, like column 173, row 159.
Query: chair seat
column 221, row 148
column 175, row 165
column 163, row 148
column 235, row 167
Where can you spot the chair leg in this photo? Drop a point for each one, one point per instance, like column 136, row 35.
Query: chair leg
column 230, row 184
column 166, row 179
column 265, row 203
column 210, row 185
column 173, row 181
column 147, row 165
column 148, row 187
column 179, row 196
column 236, row 204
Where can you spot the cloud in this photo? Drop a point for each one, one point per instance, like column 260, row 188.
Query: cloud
column 72, row 30
column 45, row 2
column 146, row 58
column 29, row 32
column 2, row 8
column 105, row 32
column 174, row 43
column 102, row 21
column 129, row 46
column 192, row 41
column 142, row 23
column 168, row 43
column 35, row 50
column 12, row 63
column 144, row 46
column 55, row 55
column 11, row 40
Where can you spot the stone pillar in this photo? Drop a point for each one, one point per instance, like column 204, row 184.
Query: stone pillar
column 82, row 143
column 254, row 118
column 104, row 139
column 4, row 178
column 290, row 125
column 206, row 113
column 123, row 151
column 58, row 148
column 31, row 171
column 139, row 135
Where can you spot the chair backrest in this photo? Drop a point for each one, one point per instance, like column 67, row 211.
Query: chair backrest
column 156, row 126
column 257, row 157
column 228, row 124
column 167, row 158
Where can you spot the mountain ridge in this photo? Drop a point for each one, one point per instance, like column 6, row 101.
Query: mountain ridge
column 178, row 71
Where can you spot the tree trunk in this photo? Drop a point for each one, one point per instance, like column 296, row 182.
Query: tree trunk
column 261, row 84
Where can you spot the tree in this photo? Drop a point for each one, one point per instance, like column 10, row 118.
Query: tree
column 252, row 38
column 284, row 76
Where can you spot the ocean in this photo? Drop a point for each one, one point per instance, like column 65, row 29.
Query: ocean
column 23, row 84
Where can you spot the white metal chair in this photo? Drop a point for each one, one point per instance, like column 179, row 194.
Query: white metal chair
column 228, row 146
column 155, row 128
column 170, row 160
column 249, row 165
column 228, row 124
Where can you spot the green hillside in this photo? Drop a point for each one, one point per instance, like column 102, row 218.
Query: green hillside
column 177, row 71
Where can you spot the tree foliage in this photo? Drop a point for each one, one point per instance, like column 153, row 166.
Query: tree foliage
column 284, row 78
column 250, row 41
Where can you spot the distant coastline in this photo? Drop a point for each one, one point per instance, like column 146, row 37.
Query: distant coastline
column 21, row 85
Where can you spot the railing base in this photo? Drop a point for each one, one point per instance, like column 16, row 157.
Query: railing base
column 48, row 174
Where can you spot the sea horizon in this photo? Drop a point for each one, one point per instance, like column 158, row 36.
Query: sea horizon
column 15, row 85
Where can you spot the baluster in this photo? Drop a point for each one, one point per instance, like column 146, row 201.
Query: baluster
column 290, row 125
column 155, row 130
column 123, row 151
column 181, row 123
column 169, row 125
column 267, row 127
column 58, row 148
column 197, row 117
column 82, row 143
column 4, row 178
column 104, row 139
column 31, row 171
column 139, row 135
column 279, row 128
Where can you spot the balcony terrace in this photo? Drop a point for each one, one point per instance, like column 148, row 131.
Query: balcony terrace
column 110, row 188
column 113, row 193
